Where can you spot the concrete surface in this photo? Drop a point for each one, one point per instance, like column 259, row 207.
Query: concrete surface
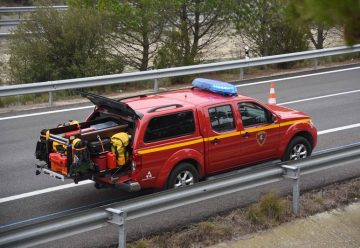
column 338, row 228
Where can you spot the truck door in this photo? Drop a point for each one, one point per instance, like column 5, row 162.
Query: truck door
column 260, row 133
column 223, row 138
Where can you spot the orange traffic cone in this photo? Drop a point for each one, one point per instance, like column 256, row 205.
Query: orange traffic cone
column 272, row 96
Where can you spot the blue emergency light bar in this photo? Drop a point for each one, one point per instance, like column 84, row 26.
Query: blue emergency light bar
column 215, row 86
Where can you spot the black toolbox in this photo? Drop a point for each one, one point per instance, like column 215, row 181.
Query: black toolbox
column 97, row 147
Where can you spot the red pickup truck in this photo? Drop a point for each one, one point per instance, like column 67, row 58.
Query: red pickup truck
column 173, row 139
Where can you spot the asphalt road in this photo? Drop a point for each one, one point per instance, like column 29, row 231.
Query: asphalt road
column 18, row 137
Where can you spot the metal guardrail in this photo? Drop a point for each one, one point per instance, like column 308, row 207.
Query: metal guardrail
column 52, row 86
column 19, row 11
column 5, row 35
column 10, row 23
column 119, row 213
column 8, row 10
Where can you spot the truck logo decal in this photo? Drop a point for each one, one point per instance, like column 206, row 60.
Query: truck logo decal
column 201, row 140
column 261, row 137
column 148, row 176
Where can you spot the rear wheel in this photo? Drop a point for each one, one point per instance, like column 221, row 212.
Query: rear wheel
column 298, row 148
column 182, row 175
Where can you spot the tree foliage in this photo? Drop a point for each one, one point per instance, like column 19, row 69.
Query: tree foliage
column 59, row 45
column 16, row 2
column 78, row 4
column 316, row 31
column 140, row 24
column 344, row 13
column 195, row 25
column 263, row 26
column 96, row 37
column 29, row 2
column 137, row 27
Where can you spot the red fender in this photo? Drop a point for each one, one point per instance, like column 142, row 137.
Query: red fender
column 292, row 131
column 175, row 159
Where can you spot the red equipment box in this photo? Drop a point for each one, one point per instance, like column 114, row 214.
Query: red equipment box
column 100, row 161
column 111, row 160
column 58, row 163
column 77, row 132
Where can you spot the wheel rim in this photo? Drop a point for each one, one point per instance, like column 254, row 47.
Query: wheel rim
column 299, row 151
column 184, row 178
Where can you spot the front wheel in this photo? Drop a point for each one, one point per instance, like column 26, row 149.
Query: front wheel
column 184, row 174
column 298, row 148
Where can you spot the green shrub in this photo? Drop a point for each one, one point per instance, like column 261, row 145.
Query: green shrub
column 270, row 209
column 139, row 244
column 254, row 215
column 61, row 45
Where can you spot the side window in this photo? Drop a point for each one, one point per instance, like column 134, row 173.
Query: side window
column 253, row 114
column 222, row 118
column 170, row 126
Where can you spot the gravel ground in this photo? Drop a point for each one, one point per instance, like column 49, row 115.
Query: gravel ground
column 337, row 228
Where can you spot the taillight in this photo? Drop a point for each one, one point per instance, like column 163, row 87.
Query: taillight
column 136, row 163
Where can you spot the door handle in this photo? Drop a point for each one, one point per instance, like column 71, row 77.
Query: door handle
column 215, row 141
column 246, row 135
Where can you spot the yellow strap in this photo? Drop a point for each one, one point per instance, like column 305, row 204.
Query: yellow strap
column 79, row 149
column 75, row 141
column 47, row 135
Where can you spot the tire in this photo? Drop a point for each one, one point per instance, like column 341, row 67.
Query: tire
column 298, row 148
column 182, row 175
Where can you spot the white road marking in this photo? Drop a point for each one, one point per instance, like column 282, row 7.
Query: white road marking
column 43, row 191
column 72, row 185
column 320, row 97
column 45, row 113
column 300, row 76
column 241, row 85
column 332, row 130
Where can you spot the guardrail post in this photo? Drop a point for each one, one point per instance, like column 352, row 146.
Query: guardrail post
column 118, row 218
column 241, row 73
column 316, row 63
column 50, row 98
column 294, row 173
column 156, row 85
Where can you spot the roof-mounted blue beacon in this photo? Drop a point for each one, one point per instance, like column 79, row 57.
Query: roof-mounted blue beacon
column 215, row 86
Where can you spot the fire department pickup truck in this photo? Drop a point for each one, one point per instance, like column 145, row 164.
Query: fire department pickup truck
column 173, row 139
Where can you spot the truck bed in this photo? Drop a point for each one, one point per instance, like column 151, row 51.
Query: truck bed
column 60, row 141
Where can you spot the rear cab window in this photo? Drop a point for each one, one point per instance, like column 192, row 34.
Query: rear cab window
column 222, row 118
column 170, row 126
